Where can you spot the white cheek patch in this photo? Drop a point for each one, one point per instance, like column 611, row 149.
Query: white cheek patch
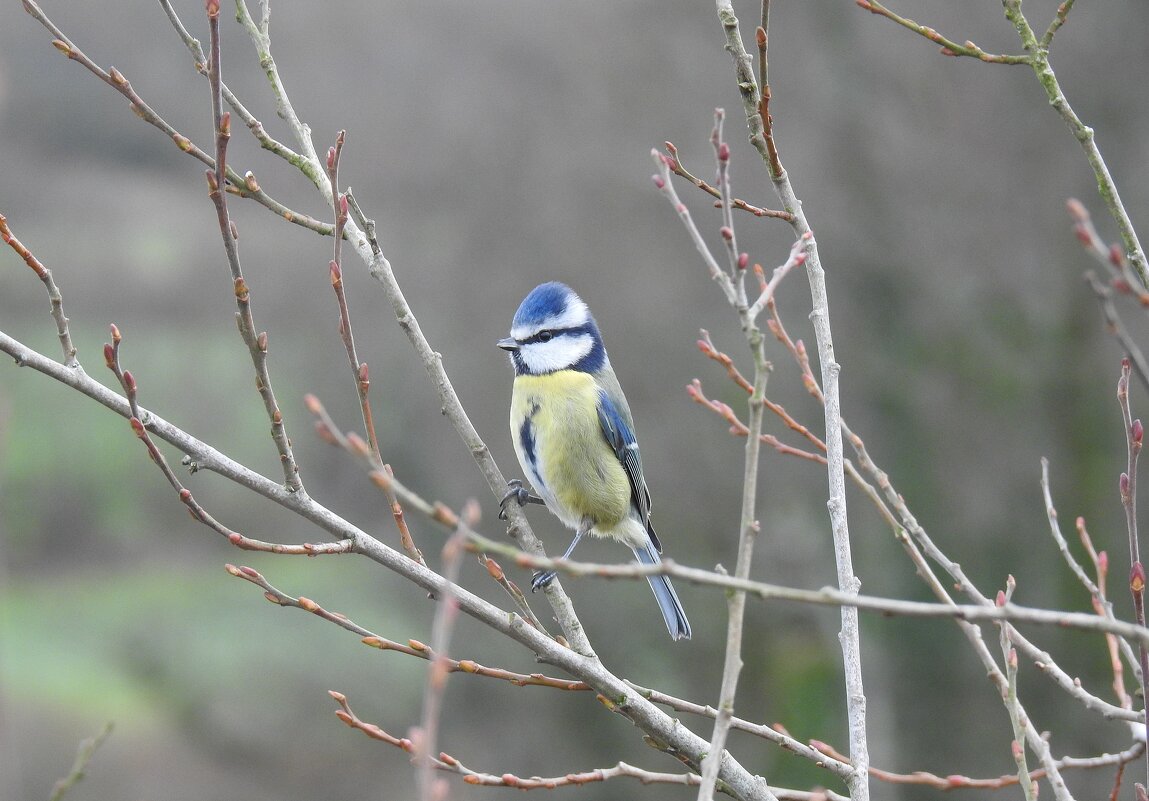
column 560, row 353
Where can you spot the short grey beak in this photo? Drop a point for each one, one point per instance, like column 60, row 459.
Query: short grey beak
column 508, row 344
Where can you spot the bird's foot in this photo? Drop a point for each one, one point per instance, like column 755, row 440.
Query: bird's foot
column 542, row 579
column 518, row 493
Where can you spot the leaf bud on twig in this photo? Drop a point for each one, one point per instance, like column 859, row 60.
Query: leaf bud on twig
column 1137, row 577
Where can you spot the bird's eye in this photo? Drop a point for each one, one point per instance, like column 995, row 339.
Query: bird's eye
column 546, row 336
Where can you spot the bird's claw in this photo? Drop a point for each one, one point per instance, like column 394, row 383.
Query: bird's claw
column 517, row 492
column 542, row 579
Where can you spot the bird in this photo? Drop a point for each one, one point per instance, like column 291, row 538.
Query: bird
column 574, row 436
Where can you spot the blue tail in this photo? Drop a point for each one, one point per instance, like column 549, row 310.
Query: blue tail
column 664, row 593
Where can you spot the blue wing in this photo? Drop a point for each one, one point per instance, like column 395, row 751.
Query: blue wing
column 620, row 436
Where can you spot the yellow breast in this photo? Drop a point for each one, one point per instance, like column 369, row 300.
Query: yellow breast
column 556, row 416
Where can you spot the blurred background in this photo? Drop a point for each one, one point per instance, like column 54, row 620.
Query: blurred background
column 498, row 145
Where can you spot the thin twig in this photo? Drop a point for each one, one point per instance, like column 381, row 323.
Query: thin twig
column 1106, row 186
column 1017, row 717
column 256, row 343
column 255, row 126
column 956, row 781
column 948, row 46
column 446, row 615
column 83, row 757
column 243, row 185
column 54, row 297
column 410, row 648
column 748, row 522
column 446, row 762
column 678, row 168
column 849, row 636
column 1134, row 434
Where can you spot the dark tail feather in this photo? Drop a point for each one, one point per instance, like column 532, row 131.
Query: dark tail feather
column 664, row 593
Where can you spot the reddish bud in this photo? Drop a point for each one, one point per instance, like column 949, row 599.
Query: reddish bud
column 1015, row 749
column 495, row 569
column 1137, row 577
column 324, row 433
column 241, row 291
column 233, row 229
column 358, row 445
column 1082, row 234
column 129, row 382
column 261, row 341
column 225, row 123
column 212, row 184
column 760, row 36
column 343, row 205
column 670, row 148
column 110, row 356
column 1103, row 561
column 212, row 7
column 727, row 233
column 1137, row 431
column 330, row 158
column 1116, row 255
column 364, row 375
column 312, row 403
column 1123, row 484
column 336, row 273
column 743, row 260
column 1000, row 600
column 1125, row 363
column 185, row 495
column 115, row 333
column 658, row 182
column 724, row 152
column 1011, row 660
column 137, row 427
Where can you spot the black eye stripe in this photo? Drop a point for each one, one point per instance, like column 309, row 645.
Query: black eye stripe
column 547, row 334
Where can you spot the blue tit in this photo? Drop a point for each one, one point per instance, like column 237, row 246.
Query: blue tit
column 574, row 435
